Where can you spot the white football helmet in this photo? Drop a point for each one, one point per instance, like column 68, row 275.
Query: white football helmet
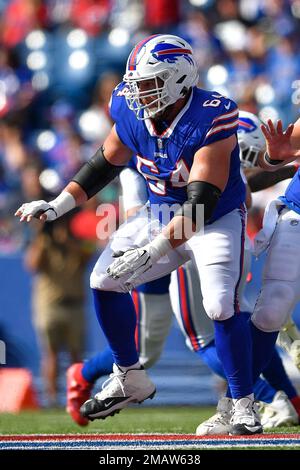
column 250, row 138
column 169, row 61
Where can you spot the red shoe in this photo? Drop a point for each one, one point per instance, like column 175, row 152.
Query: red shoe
column 78, row 391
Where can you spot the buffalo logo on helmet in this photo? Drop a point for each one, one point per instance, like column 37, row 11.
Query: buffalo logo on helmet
column 167, row 52
column 246, row 125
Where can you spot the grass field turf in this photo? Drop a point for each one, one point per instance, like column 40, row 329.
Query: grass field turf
column 132, row 420
column 173, row 420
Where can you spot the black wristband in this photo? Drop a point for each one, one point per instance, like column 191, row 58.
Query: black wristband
column 96, row 174
column 271, row 161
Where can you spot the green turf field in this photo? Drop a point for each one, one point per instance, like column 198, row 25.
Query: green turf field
column 133, row 420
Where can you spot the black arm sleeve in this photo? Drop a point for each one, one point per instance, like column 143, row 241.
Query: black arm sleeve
column 96, row 174
column 259, row 179
column 200, row 193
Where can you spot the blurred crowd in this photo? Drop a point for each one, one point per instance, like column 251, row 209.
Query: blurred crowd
column 59, row 62
column 60, row 59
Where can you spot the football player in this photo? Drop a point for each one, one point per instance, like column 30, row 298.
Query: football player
column 154, row 313
column 184, row 140
column 280, row 236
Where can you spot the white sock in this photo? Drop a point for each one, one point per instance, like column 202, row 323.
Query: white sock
column 137, row 365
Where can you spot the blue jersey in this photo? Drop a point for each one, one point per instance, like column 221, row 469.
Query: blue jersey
column 165, row 159
column 292, row 194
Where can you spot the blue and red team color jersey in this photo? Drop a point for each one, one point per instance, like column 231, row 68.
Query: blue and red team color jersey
column 291, row 197
column 165, row 159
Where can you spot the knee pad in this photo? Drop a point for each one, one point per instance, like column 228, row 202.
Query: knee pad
column 273, row 306
column 102, row 281
column 220, row 307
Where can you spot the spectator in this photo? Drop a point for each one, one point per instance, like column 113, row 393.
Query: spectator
column 90, row 15
column 161, row 14
column 20, row 17
column 55, row 257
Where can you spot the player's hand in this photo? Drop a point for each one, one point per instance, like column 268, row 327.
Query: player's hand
column 278, row 141
column 134, row 261
column 39, row 209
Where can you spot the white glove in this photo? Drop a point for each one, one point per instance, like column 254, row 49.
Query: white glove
column 138, row 260
column 46, row 211
column 35, row 209
column 135, row 260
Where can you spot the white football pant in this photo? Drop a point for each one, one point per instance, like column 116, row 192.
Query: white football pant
column 217, row 254
column 281, row 277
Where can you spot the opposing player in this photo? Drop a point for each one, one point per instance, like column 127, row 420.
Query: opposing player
column 185, row 141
